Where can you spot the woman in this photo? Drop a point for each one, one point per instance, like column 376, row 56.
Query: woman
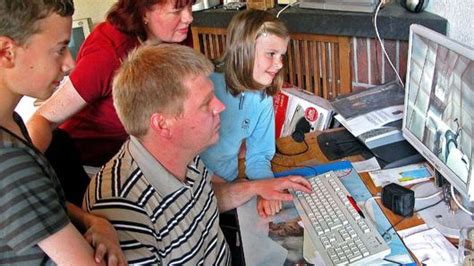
column 249, row 73
column 83, row 107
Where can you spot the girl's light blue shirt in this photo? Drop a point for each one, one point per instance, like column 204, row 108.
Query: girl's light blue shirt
column 248, row 116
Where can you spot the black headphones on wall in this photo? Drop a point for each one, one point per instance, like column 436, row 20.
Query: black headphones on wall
column 415, row 6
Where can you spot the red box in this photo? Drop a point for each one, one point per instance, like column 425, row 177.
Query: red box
column 293, row 104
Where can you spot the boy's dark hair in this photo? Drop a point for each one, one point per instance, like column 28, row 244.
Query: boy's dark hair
column 19, row 18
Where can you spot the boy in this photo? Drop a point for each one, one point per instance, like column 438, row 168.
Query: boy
column 34, row 225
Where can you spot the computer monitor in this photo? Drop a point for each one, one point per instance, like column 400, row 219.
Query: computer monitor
column 439, row 106
column 80, row 30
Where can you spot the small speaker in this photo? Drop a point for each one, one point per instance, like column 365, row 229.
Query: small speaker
column 398, row 199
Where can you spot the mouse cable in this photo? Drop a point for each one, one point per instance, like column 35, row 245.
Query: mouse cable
column 415, row 211
column 279, row 152
column 425, row 197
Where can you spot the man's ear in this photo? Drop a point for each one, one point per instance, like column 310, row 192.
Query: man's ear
column 7, row 52
column 160, row 124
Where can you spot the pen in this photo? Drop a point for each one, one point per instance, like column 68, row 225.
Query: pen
column 354, row 204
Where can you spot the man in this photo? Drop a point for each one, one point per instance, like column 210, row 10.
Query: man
column 35, row 224
column 156, row 190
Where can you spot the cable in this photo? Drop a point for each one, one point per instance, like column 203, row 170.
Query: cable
column 365, row 207
column 392, row 226
column 430, row 196
column 287, row 6
column 392, row 261
column 425, row 197
column 422, row 209
column 279, row 152
column 457, row 202
column 429, row 206
column 283, row 165
column 381, row 44
column 372, row 219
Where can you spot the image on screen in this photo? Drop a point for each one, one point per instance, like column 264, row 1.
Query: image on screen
column 440, row 106
column 77, row 38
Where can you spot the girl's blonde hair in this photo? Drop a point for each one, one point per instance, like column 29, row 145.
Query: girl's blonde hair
column 239, row 56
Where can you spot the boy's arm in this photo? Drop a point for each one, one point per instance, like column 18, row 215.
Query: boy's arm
column 67, row 247
column 122, row 219
column 100, row 234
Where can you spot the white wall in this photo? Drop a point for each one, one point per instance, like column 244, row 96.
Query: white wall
column 460, row 16
column 95, row 9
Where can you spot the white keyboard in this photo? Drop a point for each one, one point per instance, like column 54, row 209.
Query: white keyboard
column 337, row 231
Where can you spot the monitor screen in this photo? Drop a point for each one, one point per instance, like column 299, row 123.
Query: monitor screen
column 80, row 29
column 439, row 105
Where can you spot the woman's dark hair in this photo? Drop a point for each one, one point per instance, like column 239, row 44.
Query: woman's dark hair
column 127, row 15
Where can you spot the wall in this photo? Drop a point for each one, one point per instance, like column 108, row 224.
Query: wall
column 370, row 67
column 95, row 9
column 460, row 16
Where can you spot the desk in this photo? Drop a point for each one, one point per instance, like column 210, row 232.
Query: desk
column 313, row 156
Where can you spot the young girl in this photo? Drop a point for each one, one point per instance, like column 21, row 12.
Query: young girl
column 248, row 75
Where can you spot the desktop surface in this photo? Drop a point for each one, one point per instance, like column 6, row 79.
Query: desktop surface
column 314, row 156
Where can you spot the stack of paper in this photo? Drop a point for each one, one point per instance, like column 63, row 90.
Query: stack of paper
column 370, row 114
column 405, row 175
column 429, row 246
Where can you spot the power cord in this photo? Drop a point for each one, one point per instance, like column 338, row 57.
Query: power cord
column 425, row 197
column 381, row 2
column 279, row 152
column 422, row 209
column 286, row 7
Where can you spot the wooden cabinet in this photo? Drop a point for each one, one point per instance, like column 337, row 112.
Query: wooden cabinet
column 317, row 63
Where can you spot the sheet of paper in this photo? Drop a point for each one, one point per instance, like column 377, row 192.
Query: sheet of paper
column 405, row 175
column 366, row 166
column 259, row 249
column 372, row 120
column 429, row 246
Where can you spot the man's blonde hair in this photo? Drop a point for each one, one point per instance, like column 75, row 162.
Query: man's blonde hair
column 151, row 81
column 239, row 56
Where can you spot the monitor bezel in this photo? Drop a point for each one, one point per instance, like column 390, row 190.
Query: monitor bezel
column 467, row 190
column 85, row 24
